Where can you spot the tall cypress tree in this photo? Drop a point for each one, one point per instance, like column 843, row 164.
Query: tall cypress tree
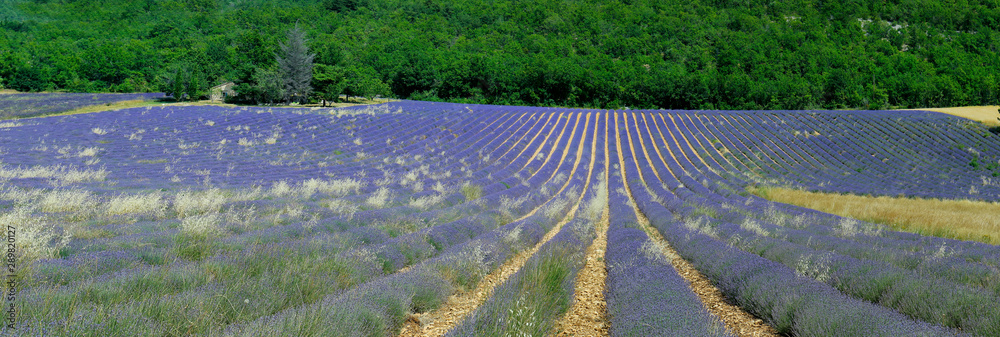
column 296, row 63
column 177, row 85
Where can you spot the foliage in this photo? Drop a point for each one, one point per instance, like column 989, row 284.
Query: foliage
column 364, row 81
column 996, row 129
column 296, row 65
column 329, row 82
column 805, row 54
column 267, row 86
column 343, row 5
column 185, row 84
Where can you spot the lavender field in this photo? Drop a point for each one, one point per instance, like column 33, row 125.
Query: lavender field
column 37, row 104
column 417, row 218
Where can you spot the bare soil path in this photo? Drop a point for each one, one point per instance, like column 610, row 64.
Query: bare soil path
column 588, row 315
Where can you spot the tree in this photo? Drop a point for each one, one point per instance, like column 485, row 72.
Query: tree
column 185, row 84
column 265, row 87
column 296, row 63
column 365, row 81
column 342, row 6
column 371, row 87
column 996, row 129
column 195, row 86
column 176, row 85
column 329, row 82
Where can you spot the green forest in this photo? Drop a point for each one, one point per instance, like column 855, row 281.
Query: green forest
column 697, row 54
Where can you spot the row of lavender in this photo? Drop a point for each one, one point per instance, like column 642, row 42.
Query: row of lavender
column 937, row 280
column 645, row 294
column 882, row 153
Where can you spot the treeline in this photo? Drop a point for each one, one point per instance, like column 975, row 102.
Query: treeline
column 701, row 54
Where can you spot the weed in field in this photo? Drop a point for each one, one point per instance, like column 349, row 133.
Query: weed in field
column 281, row 189
column 188, row 202
column 342, row 207
column 37, row 238
column 595, row 206
column 702, row 225
column 752, row 226
column 204, row 225
column 67, row 201
column 273, row 139
column 509, row 206
column 21, row 195
column 426, row 202
column 193, row 246
column 243, row 217
column 380, row 198
column 439, row 187
column 62, row 175
column 701, row 210
column 137, row 135
column 815, row 266
column 654, row 251
column 557, row 208
column 88, row 152
column 471, row 191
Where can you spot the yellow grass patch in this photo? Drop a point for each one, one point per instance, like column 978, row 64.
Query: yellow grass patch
column 141, row 103
column 353, row 102
column 955, row 219
column 105, row 107
column 986, row 113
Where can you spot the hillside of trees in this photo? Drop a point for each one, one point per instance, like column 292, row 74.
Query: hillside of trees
column 699, row 54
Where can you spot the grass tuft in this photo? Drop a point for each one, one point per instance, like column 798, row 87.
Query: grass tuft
column 472, row 191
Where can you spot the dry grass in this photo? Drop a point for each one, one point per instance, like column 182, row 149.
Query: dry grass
column 104, row 107
column 986, row 114
column 142, row 103
column 955, row 219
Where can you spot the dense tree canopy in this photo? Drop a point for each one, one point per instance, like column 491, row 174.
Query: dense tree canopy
column 637, row 53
